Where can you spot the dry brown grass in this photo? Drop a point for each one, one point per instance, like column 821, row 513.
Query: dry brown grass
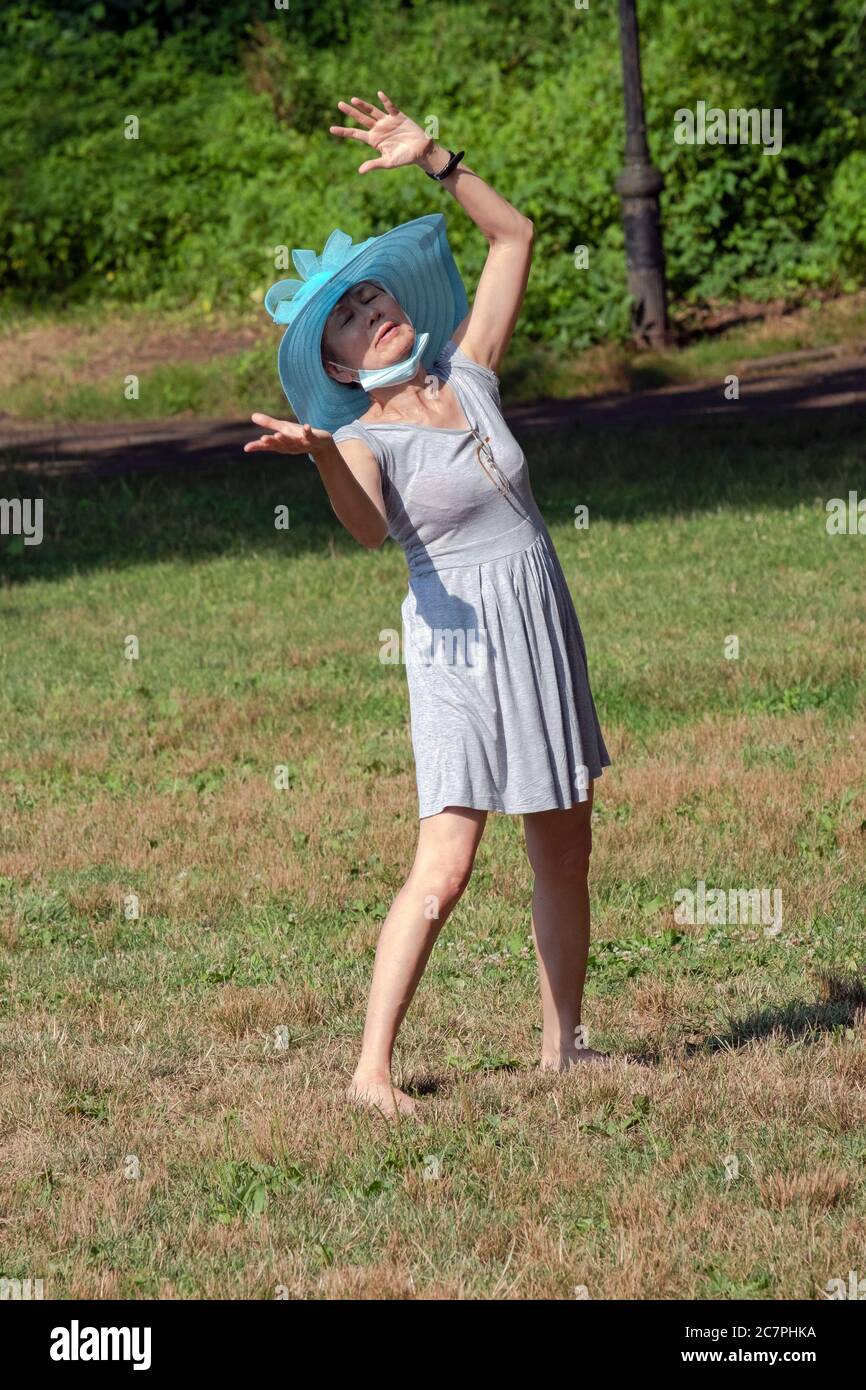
column 212, row 1037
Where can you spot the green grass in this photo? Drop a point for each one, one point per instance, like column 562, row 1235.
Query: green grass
column 210, row 1036
column 91, row 357
column 215, row 389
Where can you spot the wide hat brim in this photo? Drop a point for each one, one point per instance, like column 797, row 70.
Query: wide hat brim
column 415, row 264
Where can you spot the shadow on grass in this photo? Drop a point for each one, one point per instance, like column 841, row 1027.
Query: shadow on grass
column 842, row 1005
column 200, row 507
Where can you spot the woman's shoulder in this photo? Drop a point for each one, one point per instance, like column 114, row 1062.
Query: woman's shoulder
column 355, row 429
column 374, row 443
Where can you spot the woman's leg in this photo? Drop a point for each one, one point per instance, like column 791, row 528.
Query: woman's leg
column 443, row 864
column 559, row 844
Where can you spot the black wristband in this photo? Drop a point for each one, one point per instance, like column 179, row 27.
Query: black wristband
column 449, row 167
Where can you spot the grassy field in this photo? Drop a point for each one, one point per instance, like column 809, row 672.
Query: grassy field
column 74, row 367
column 173, row 1113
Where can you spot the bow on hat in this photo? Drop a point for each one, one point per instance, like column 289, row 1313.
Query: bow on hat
column 315, row 271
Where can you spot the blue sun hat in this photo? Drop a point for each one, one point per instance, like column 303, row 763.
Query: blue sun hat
column 413, row 262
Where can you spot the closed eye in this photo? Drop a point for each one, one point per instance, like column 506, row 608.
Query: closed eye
column 350, row 315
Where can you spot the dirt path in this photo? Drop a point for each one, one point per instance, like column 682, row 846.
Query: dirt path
column 811, row 380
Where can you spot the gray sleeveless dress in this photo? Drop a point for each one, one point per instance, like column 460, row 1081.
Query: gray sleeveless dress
column 502, row 714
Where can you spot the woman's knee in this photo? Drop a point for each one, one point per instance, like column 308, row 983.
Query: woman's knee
column 442, row 883
column 574, row 858
column 445, row 855
column 562, row 856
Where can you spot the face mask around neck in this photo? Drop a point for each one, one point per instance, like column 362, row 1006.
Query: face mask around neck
column 370, row 377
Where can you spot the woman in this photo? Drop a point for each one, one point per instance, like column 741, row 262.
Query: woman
column 501, row 710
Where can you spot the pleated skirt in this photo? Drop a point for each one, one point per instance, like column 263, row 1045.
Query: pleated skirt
column 502, row 713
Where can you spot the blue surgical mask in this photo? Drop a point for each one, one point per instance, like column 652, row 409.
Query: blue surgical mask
column 370, row 377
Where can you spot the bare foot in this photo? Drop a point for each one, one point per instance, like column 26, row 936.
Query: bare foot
column 561, row 1061
column 380, row 1093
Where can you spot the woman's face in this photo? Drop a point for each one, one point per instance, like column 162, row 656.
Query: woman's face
column 366, row 328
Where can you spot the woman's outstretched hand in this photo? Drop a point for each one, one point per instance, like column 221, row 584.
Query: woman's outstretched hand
column 395, row 135
column 290, row 438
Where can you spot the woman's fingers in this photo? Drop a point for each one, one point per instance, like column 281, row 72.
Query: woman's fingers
column 365, row 111
column 388, row 104
column 270, row 444
column 359, row 114
column 347, row 130
column 259, row 419
column 267, row 441
column 291, row 437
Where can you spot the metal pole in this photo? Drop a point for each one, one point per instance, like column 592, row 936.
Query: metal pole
column 639, row 186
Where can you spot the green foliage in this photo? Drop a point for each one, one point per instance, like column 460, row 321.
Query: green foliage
column 234, row 160
column 843, row 226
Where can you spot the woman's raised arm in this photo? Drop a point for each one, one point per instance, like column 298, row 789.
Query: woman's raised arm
column 486, row 331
